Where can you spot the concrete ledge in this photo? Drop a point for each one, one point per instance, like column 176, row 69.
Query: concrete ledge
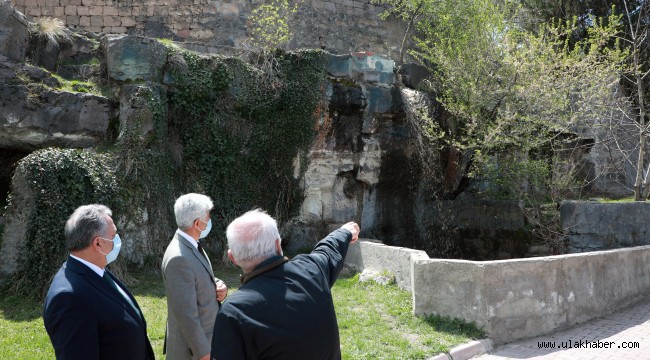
column 374, row 255
column 471, row 349
column 466, row 351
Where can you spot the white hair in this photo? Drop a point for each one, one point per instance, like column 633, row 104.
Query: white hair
column 190, row 207
column 252, row 236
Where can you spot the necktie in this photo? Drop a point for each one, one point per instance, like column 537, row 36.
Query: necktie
column 201, row 250
column 112, row 283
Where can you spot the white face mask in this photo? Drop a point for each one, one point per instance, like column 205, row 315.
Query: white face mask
column 207, row 229
column 117, row 245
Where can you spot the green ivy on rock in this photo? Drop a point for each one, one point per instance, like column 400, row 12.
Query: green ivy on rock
column 60, row 180
column 242, row 126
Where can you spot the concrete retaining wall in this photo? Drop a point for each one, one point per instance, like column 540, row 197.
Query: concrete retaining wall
column 373, row 255
column 514, row 299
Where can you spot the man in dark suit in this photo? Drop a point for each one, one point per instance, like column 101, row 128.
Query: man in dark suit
column 284, row 308
column 89, row 313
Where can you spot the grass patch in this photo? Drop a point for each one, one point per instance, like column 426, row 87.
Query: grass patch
column 375, row 321
column 77, row 86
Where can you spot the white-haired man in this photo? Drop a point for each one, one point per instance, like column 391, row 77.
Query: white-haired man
column 193, row 293
column 284, row 308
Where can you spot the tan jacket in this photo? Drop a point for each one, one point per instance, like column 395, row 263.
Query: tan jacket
column 192, row 305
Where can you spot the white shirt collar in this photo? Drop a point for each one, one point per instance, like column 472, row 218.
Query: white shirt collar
column 92, row 266
column 189, row 238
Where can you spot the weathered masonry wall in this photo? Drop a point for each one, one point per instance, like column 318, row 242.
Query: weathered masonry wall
column 339, row 26
column 592, row 226
column 514, row 299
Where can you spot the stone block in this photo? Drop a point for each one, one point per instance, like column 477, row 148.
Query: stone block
column 128, row 21
column 84, row 21
column 51, row 3
column 134, row 58
column 96, row 21
column 112, row 21
column 83, row 11
column 357, row 4
column 118, row 30
column 74, row 2
column 124, row 11
column 59, row 11
column 358, row 11
column 33, row 11
column 31, row 3
column 109, row 11
column 72, row 20
column 318, row 4
column 40, row 3
column 160, row 10
column 19, row 3
column 96, row 10
column 330, row 6
column 88, row 2
column 95, row 29
column 71, row 10
column 47, row 11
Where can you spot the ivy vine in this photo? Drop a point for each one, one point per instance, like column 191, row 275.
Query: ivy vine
column 61, row 180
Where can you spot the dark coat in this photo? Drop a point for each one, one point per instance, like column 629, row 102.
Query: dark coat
column 286, row 312
column 88, row 319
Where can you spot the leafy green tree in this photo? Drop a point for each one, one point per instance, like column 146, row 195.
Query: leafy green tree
column 270, row 24
column 509, row 88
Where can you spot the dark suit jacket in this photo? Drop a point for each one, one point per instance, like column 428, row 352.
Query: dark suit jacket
column 88, row 319
column 286, row 312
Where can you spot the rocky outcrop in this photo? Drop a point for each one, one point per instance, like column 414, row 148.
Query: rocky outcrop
column 34, row 112
column 362, row 166
column 593, row 226
column 24, row 208
column 34, row 115
column 133, row 58
column 14, row 33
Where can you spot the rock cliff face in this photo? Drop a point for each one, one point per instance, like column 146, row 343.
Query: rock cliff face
column 35, row 113
column 364, row 165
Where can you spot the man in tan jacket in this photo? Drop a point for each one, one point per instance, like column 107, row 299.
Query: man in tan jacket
column 193, row 293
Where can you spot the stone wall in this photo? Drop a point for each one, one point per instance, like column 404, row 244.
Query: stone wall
column 514, row 299
column 591, row 226
column 339, row 26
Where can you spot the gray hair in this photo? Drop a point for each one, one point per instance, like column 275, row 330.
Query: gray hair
column 252, row 236
column 190, row 207
column 84, row 224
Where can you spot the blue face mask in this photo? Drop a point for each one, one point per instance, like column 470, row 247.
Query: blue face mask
column 117, row 245
column 207, row 229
